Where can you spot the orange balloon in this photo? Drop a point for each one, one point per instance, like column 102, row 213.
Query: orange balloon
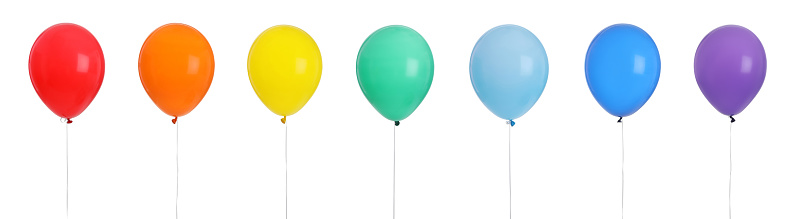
column 176, row 68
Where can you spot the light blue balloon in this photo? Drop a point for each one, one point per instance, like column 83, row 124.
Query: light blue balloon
column 508, row 70
column 622, row 68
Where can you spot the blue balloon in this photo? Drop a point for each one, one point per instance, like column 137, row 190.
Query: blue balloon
column 508, row 70
column 622, row 68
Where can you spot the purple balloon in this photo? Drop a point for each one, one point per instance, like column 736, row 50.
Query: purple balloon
column 730, row 67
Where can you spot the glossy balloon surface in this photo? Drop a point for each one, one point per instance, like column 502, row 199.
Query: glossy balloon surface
column 730, row 68
column 622, row 68
column 395, row 68
column 66, row 68
column 176, row 68
column 509, row 70
column 284, row 67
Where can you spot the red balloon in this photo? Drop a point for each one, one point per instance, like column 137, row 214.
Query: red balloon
column 67, row 68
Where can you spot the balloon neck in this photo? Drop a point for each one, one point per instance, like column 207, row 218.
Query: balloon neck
column 732, row 119
column 620, row 119
column 174, row 120
column 510, row 122
column 68, row 121
column 283, row 120
column 397, row 123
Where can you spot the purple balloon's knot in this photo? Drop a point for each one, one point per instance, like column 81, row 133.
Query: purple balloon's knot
column 732, row 119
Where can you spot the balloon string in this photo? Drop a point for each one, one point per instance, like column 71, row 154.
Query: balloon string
column 286, row 159
column 510, row 205
column 177, row 168
column 67, row 168
column 394, row 166
column 730, row 168
column 623, row 159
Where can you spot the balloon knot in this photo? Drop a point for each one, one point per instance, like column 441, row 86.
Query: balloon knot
column 732, row 119
column 68, row 121
column 283, row 120
column 397, row 123
column 174, row 120
column 620, row 119
column 510, row 122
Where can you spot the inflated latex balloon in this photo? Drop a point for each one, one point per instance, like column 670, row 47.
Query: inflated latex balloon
column 508, row 70
column 395, row 69
column 622, row 68
column 730, row 67
column 284, row 67
column 176, row 68
column 66, row 68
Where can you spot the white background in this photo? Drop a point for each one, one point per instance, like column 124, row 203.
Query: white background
column 452, row 152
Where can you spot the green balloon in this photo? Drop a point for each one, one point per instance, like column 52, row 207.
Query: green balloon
column 395, row 69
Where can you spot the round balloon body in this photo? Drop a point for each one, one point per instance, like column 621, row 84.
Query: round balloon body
column 395, row 68
column 66, row 68
column 284, row 67
column 730, row 67
column 622, row 68
column 508, row 70
column 176, row 68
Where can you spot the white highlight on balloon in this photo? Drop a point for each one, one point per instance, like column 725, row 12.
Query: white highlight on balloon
column 747, row 64
column 527, row 65
column 193, row 65
column 412, row 67
column 639, row 64
column 301, row 66
column 83, row 63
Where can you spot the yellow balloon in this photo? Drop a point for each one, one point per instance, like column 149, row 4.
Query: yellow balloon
column 284, row 66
